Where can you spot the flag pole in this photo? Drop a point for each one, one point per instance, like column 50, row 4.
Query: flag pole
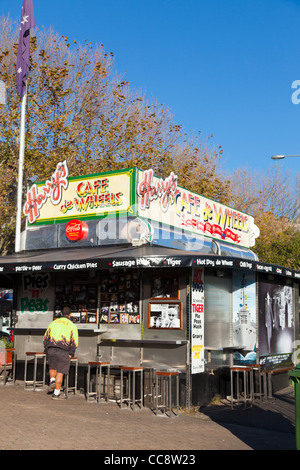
column 22, row 67
column 20, row 177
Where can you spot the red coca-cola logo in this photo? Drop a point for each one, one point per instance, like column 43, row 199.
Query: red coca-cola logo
column 76, row 230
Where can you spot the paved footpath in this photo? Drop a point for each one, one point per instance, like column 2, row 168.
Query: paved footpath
column 32, row 421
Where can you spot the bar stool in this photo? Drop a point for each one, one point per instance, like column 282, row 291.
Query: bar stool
column 7, row 365
column 163, row 390
column 73, row 388
column 248, row 384
column 36, row 356
column 100, row 384
column 131, row 372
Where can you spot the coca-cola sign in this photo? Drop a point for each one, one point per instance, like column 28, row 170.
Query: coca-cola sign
column 76, row 230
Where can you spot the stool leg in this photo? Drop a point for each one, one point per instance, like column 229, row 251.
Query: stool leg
column 129, row 388
column 177, row 393
column 67, row 385
column 25, row 372
column 259, row 385
column 121, row 389
column 14, row 368
column 5, row 373
column 76, row 376
column 165, row 396
column 231, row 388
column 265, row 385
column 156, row 395
column 245, row 388
column 133, row 390
column 96, row 383
column 142, row 392
column 152, row 385
column 44, row 371
column 251, row 392
column 269, row 387
column 88, row 382
column 170, row 395
column 34, row 373
column 108, row 382
column 99, row 382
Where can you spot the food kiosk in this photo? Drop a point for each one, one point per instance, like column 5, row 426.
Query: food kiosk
column 156, row 276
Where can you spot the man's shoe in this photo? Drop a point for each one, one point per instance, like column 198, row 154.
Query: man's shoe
column 51, row 387
column 61, row 396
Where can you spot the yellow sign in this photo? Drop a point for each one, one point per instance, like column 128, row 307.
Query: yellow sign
column 167, row 203
column 62, row 198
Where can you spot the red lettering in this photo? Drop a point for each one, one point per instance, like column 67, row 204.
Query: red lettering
column 52, row 189
column 198, row 308
column 165, row 190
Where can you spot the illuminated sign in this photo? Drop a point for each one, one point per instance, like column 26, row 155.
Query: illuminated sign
column 169, row 204
column 63, row 198
column 136, row 193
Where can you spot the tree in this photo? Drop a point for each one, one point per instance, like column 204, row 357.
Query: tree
column 81, row 110
column 273, row 199
column 282, row 250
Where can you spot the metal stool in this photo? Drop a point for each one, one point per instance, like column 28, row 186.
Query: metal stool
column 99, row 383
column 8, row 366
column 131, row 371
column 248, row 384
column 36, row 356
column 163, row 390
column 73, row 388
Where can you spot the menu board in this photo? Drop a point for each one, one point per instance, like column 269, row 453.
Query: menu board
column 82, row 299
column 197, row 321
column 119, row 297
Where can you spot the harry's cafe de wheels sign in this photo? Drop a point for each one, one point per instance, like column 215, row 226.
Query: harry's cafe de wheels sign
column 132, row 192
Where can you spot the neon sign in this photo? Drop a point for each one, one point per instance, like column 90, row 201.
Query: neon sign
column 52, row 190
column 164, row 190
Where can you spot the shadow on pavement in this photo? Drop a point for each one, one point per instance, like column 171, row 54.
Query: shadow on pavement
column 264, row 426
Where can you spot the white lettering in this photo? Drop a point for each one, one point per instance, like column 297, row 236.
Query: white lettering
column 295, row 95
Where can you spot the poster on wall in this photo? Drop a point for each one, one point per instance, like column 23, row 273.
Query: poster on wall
column 197, row 321
column 35, row 300
column 165, row 287
column 276, row 323
column 162, row 315
column 244, row 316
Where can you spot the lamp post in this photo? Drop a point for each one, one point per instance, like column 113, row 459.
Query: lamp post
column 279, row 157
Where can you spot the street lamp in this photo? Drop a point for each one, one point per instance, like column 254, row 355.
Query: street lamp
column 279, row 157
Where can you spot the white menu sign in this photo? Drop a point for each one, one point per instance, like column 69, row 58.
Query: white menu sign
column 197, row 321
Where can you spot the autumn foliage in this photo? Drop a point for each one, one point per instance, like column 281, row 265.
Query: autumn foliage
column 81, row 110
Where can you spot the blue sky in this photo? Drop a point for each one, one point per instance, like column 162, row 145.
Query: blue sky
column 223, row 67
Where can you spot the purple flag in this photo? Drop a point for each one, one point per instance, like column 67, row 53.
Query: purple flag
column 27, row 22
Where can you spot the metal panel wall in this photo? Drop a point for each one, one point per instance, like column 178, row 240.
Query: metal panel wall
column 218, row 311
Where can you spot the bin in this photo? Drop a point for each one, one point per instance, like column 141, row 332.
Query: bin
column 295, row 379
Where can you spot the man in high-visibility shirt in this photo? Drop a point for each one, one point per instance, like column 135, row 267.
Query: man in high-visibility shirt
column 60, row 343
